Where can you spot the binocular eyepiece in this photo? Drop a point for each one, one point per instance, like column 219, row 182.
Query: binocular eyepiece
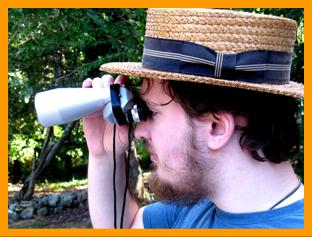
column 125, row 107
column 63, row 105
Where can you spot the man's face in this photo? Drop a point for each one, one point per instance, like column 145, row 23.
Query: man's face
column 178, row 158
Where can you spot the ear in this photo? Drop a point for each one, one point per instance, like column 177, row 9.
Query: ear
column 220, row 127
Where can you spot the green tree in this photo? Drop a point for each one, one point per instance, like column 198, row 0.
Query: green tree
column 51, row 48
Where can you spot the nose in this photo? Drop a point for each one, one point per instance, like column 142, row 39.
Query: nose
column 142, row 131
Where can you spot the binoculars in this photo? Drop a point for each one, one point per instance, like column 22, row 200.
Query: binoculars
column 63, row 105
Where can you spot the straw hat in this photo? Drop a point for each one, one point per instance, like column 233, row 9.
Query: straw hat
column 217, row 47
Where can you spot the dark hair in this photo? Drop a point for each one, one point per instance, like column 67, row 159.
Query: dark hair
column 272, row 124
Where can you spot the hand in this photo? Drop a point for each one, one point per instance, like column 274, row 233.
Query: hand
column 98, row 132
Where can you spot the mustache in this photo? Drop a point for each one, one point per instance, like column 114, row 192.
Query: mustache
column 153, row 167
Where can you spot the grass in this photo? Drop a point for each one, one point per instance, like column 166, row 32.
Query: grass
column 74, row 184
column 54, row 187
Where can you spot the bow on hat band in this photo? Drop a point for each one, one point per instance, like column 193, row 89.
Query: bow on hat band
column 258, row 66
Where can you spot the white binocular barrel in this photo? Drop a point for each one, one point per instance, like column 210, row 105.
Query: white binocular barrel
column 63, row 105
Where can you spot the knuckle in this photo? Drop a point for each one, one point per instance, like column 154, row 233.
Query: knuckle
column 121, row 79
column 96, row 82
column 107, row 79
column 87, row 82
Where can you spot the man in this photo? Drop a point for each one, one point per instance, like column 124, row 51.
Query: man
column 222, row 129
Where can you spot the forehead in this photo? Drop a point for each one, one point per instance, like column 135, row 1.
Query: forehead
column 152, row 91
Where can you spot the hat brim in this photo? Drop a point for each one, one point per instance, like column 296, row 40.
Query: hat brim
column 292, row 89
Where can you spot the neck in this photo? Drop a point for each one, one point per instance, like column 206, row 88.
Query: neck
column 247, row 185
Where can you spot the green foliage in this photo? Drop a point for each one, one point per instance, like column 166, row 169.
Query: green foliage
column 144, row 155
column 51, row 48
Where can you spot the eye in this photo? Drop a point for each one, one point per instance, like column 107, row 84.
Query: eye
column 154, row 113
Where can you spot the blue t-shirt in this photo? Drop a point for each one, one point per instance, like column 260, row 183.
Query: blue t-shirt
column 205, row 214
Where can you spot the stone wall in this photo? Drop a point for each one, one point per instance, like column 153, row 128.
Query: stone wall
column 46, row 204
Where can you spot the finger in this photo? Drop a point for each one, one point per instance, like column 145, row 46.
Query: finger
column 97, row 83
column 107, row 80
column 121, row 79
column 87, row 83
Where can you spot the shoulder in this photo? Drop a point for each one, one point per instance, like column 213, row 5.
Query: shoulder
column 171, row 215
column 160, row 215
column 290, row 216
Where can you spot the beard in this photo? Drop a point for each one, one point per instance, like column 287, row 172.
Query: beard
column 185, row 193
column 192, row 184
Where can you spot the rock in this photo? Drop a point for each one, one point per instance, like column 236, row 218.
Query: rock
column 13, row 215
column 37, row 204
column 25, row 204
column 27, row 213
column 46, row 205
column 67, row 199
column 18, row 208
column 53, row 200
column 57, row 210
column 43, row 211
column 44, row 201
column 82, row 196
column 12, row 206
column 75, row 203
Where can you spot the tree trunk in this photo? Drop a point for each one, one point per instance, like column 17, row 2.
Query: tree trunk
column 46, row 155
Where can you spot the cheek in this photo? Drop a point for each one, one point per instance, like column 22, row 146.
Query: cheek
column 172, row 142
column 163, row 144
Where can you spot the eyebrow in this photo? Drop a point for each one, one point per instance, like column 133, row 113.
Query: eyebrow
column 153, row 104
